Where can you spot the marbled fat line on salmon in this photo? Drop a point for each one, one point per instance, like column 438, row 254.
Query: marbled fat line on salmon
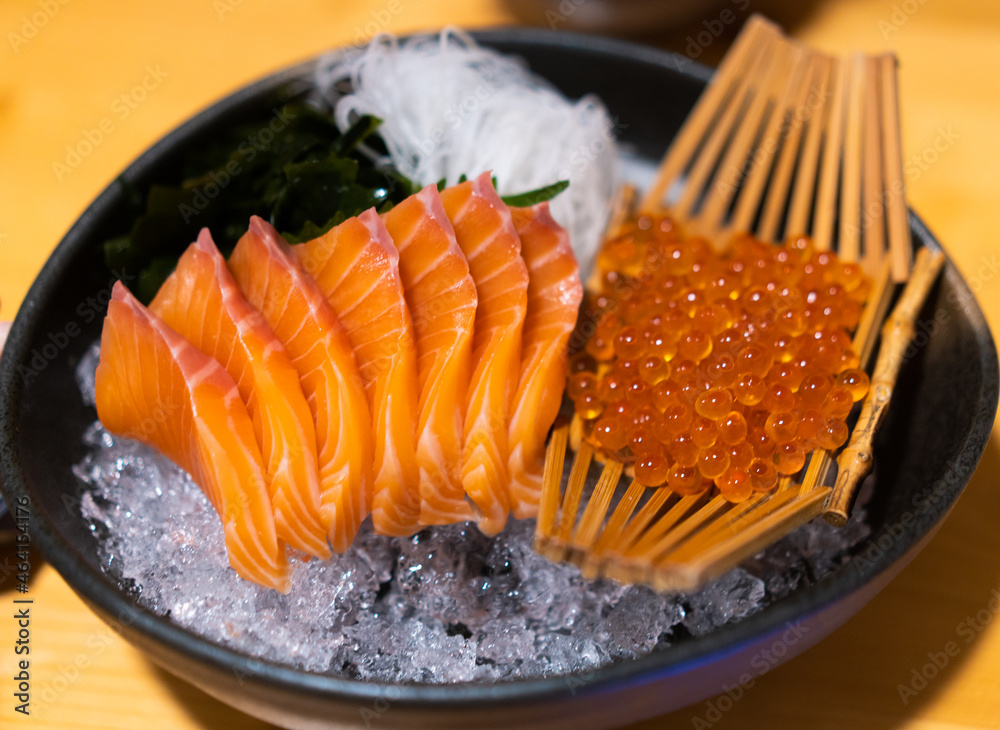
column 554, row 296
column 203, row 303
column 487, row 237
column 154, row 386
column 442, row 300
column 298, row 313
column 356, row 266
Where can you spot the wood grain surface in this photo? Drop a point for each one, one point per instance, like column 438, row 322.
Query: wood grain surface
column 64, row 66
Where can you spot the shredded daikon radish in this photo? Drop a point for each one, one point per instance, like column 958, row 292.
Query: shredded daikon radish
column 450, row 108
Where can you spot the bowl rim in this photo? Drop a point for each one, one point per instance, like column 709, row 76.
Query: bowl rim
column 96, row 588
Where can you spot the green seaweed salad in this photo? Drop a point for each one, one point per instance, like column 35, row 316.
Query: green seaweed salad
column 294, row 168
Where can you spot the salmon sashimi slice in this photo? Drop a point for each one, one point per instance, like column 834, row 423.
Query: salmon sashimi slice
column 356, row 266
column 154, row 386
column 442, row 300
column 486, row 235
column 203, row 303
column 554, row 295
column 298, row 313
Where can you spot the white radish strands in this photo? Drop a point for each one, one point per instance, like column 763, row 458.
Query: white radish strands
column 450, row 108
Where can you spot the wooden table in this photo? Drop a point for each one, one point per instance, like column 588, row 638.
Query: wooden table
column 64, row 67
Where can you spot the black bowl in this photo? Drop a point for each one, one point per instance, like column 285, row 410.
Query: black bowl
column 938, row 426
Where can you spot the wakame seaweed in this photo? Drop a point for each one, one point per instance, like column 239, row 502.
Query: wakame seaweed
column 293, row 168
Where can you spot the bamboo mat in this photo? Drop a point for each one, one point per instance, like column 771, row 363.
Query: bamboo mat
column 70, row 75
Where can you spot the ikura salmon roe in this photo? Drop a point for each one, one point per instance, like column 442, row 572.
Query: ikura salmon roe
column 589, row 404
column 735, row 486
column 740, row 455
column 704, row 432
column 789, row 457
column 652, row 467
column 854, row 382
column 610, row 433
column 580, row 382
column 714, row 403
column 750, row 389
column 732, row 428
column 763, row 475
column 713, row 461
column 684, row 479
column 782, row 426
column 703, row 368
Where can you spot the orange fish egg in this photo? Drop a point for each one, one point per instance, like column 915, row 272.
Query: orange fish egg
column 789, row 458
column 684, row 480
column 581, row 382
column 732, row 428
column 610, row 434
column 854, row 382
column 714, row 403
column 763, row 475
column 735, row 486
column 589, row 404
column 750, row 389
column 704, row 432
column 832, row 434
column 652, row 468
column 683, row 449
column 713, row 461
column 740, row 455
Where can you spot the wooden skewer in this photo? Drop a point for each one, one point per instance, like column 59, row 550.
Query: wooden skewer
column 855, row 460
column 749, row 541
column 778, row 130
column 829, row 173
column 613, row 529
column 900, row 246
column 729, row 523
column 873, row 211
column 689, row 137
column 634, row 529
column 851, row 180
column 802, row 111
column 674, row 531
column 597, row 506
column 548, row 505
column 737, row 158
column 574, row 492
column 728, row 122
column 805, row 178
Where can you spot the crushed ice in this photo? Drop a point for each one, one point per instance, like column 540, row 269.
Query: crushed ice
column 447, row 605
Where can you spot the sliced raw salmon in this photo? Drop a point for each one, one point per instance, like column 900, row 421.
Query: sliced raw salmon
column 202, row 302
column 272, row 281
column 487, row 237
column 554, row 294
column 356, row 266
column 154, row 386
column 442, row 300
